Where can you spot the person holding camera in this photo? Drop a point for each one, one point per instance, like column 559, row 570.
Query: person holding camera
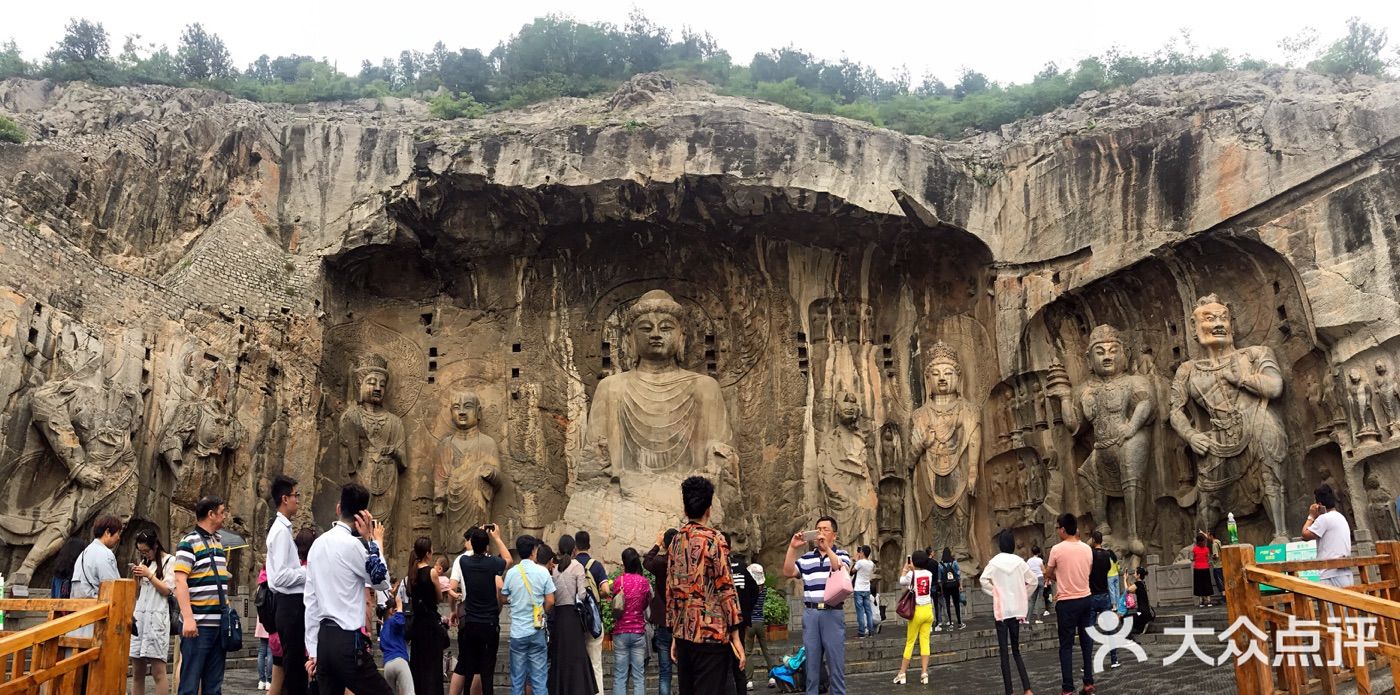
column 341, row 564
column 476, row 608
column 823, row 624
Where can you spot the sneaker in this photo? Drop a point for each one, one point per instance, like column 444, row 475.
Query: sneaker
column 962, row 626
column 1088, row 689
column 750, row 685
column 772, row 682
column 1039, row 622
column 262, row 685
column 1046, row 613
column 938, row 627
column 1114, row 665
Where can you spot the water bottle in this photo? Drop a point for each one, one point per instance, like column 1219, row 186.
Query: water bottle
column 1230, row 528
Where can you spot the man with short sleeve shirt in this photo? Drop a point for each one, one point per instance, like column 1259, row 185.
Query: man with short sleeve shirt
column 286, row 578
column 527, row 587
column 823, row 626
column 478, row 621
column 1070, row 563
column 201, row 571
column 1330, row 529
column 339, row 567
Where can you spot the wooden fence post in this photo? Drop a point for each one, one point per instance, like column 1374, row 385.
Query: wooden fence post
column 1389, row 630
column 108, row 673
column 1242, row 600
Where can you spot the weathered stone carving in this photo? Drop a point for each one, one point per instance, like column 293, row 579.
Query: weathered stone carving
column 466, row 472
column 201, row 430
column 372, row 439
column 1363, row 418
column 1220, row 406
column 1118, row 406
column 1380, row 506
column 945, row 448
column 848, row 485
column 1388, row 398
column 86, row 420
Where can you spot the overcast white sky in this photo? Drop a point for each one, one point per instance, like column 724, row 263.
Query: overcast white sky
column 1009, row 40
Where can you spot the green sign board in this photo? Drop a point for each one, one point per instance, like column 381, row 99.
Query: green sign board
column 1299, row 550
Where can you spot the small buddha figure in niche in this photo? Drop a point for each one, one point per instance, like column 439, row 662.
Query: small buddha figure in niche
column 1387, row 397
column 1363, row 418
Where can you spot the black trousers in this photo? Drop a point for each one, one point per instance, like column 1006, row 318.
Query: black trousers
column 344, row 661
column 291, row 630
column 1009, row 630
column 476, row 653
column 704, row 668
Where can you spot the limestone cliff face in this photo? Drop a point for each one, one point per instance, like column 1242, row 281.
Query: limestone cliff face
column 815, row 254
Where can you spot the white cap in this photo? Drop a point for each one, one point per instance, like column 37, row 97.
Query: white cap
column 757, row 571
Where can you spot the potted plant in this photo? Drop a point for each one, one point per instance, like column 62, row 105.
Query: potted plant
column 775, row 612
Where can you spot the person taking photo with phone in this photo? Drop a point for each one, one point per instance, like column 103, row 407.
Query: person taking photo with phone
column 823, row 624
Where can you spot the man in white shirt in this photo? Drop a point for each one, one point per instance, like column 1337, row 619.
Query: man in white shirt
column 286, row 577
column 1330, row 529
column 339, row 568
column 865, row 612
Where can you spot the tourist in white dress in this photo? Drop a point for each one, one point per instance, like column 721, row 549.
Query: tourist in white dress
column 150, row 644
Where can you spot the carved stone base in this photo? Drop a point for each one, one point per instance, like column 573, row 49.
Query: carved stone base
column 1368, row 436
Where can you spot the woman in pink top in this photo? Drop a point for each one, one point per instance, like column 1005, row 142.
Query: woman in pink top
column 630, row 627
column 264, row 647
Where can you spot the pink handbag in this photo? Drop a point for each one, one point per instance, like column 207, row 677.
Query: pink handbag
column 838, row 586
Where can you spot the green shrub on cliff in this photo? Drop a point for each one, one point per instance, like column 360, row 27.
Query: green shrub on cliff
column 449, row 107
column 11, row 132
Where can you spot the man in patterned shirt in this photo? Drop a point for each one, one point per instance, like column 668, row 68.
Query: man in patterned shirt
column 201, row 570
column 702, row 605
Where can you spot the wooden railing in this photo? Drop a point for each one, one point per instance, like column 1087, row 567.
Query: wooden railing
column 45, row 659
column 1360, row 623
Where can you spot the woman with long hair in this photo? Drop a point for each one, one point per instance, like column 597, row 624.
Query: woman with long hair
column 425, row 634
column 150, row 645
column 630, row 626
column 950, row 584
column 570, row 671
column 1201, row 583
column 918, row 579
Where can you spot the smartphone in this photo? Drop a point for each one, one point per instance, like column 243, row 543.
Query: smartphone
column 810, row 536
column 489, row 528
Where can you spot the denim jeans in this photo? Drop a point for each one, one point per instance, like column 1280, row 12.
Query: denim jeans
column 865, row 614
column 1072, row 618
column 264, row 660
column 1038, row 592
column 529, row 663
column 661, row 644
column 1103, row 603
column 630, row 656
column 202, row 660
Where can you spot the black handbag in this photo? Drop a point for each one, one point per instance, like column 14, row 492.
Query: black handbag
column 177, row 621
column 230, row 625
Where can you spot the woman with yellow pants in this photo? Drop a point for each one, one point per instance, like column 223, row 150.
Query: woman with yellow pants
column 918, row 579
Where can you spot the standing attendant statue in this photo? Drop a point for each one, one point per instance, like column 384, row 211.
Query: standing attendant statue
column 372, row 438
column 1388, row 398
column 846, row 480
column 1363, row 418
column 946, row 448
column 1118, row 406
column 1220, row 406
column 466, row 472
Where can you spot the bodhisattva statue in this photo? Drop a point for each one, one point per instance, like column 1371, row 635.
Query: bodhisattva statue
column 1388, row 397
column 466, row 473
column 1380, row 505
column 946, row 448
column 1220, row 406
column 198, row 433
column 846, row 480
column 1118, row 406
column 372, row 438
column 1363, row 419
column 87, row 421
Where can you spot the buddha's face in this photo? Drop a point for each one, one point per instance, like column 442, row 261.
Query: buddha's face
column 848, row 408
column 372, row 387
column 1106, row 359
column 1354, row 375
column 1381, row 368
column 943, row 378
column 1213, row 325
column 466, row 411
column 657, row 336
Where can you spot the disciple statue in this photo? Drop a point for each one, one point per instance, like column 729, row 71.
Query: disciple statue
column 198, row 434
column 1220, row 406
column 466, row 472
column 86, row 422
column 846, row 481
column 1380, row 505
column 1118, row 406
column 1387, row 397
column 945, row 450
column 372, row 438
column 1363, row 418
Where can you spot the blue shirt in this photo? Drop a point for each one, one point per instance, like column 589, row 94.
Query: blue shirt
column 815, row 568
column 391, row 640
column 522, row 602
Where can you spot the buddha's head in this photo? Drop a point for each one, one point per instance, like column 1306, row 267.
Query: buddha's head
column 372, row 375
column 1107, row 356
column 1354, row 375
column 943, row 375
column 1212, row 321
column 466, row 409
column 847, row 408
column 1382, row 368
column 655, row 328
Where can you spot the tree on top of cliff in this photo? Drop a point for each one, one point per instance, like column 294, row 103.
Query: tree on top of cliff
column 1357, row 53
column 203, row 55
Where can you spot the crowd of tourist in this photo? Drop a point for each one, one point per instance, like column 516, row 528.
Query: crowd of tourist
column 326, row 595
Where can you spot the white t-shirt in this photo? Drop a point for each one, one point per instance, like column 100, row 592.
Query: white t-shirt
column 864, row 568
column 921, row 583
column 1333, row 541
column 1037, row 566
column 456, row 575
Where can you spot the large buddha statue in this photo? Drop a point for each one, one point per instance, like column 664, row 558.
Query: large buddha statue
column 946, row 449
column 1220, row 406
column 466, row 472
column 372, row 438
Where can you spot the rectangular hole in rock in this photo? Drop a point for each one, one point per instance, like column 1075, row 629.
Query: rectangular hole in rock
column 515, row 347
column 33, row 335
column 709, row 339
column 432, row 365
column 1282, row 312
column 1171, row 328
column 432, row 379
column 515, row 372
column 426, row 319
column 432, row 352
column 1277, row 287
column 802, row 352
column 801, row 337
column 1176, row 353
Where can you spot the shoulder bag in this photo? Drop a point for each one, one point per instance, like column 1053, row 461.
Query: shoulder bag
column 230, row 625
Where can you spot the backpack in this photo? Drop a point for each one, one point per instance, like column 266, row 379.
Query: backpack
column 264, row 601
column 948, row 576
column 589, row 607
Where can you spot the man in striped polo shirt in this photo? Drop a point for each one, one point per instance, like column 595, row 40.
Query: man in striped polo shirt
column 201, row 567
column 823, row 626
